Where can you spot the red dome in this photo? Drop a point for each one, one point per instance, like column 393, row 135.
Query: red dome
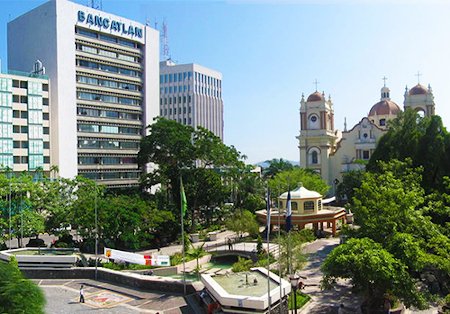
column 316, row 96
column 384, row 107
column 418, row 90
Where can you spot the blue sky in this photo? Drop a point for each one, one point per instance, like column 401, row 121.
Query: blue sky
column 270, row 52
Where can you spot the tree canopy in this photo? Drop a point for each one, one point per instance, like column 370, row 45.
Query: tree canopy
column 374, row 272
column 276, row 166
column 205, row 163
column 292, row 178
column 424, row 140
column 395, row 234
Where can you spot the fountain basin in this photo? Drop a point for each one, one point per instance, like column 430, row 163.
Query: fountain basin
column 239, row 291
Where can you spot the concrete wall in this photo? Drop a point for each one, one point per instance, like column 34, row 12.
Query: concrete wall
column 115, row 277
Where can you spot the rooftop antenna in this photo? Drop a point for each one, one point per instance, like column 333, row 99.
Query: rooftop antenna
column 38, row 68
column 165, row 41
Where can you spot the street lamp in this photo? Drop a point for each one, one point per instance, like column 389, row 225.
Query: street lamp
column 294, row 279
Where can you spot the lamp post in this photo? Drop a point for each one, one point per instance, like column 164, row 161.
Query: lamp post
column 294, row 279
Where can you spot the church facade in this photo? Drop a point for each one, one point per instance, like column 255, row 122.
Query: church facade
column 332, row 152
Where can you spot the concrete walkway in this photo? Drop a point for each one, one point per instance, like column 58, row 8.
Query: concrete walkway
column 325, row 301
column 100, row 297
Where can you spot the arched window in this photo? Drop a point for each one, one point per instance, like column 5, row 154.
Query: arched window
column 314, row 158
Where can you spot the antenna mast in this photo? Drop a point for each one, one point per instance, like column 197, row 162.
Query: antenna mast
column 165, row 41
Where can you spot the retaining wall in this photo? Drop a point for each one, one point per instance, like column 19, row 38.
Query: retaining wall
column 137, row 281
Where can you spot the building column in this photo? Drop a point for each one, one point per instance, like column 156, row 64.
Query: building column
column 333, row 228
column 315, row 225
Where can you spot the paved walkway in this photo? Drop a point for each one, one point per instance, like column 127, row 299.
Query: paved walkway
column 100, row 297
column 325, row 301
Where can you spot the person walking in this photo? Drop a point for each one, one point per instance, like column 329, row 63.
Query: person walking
column 82, row 294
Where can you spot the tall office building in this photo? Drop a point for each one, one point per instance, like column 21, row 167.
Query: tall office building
column 192, row 95
column 24, row 122
column 103, row 71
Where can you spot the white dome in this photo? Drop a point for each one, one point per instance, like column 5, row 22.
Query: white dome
column 301, row 193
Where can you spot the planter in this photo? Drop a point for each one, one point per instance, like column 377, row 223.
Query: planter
column 213, row 235
column 195, row 237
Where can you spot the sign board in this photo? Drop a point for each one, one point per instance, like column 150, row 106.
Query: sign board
column 134, row 258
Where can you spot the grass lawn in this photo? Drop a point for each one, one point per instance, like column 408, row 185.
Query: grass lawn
column 301, row 300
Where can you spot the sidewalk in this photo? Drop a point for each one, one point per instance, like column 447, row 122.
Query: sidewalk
column 63, row 297
column 325, row 301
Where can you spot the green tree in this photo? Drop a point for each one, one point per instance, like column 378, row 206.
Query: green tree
column 291, row 178
column 197, row 252
column 424, row 140
column 373, row 271
column 389, row 208
column 17, row 294
column 198, row 155
column 276, row 166
column 243, row 221
column 291, row 256
column 128, row 222
column 350, row 181
column 386, row 202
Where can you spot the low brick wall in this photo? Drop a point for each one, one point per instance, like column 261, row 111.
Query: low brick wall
column 137, row 281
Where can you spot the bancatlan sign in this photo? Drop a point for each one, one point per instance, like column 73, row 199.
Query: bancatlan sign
column 134, row 258
column 109, row 24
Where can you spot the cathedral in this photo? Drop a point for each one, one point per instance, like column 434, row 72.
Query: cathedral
column 332, row 152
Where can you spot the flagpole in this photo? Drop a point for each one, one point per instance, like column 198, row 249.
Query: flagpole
column 279, row 255
column 268, row 248
column 288, row 228
column 182, row 232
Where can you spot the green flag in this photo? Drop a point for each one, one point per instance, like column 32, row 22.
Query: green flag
column 183, row 198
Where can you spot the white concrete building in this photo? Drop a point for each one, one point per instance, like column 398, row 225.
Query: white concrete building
column 24, row 122
column 104, row 74
column 191, row 95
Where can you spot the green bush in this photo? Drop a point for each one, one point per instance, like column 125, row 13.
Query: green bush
column 125, row 266
column 301, row 300
column 17, row 294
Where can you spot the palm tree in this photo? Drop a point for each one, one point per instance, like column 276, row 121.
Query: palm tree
column 197, row 252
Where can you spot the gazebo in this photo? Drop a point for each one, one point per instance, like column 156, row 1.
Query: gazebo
column 307, row 208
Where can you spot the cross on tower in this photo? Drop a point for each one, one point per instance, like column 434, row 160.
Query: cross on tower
column 316, row 83
column 418, row 77
column 384, row 79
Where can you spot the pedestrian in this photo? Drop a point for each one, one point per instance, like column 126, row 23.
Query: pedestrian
column 230, row 244
column 341, row 309
column 82, row 294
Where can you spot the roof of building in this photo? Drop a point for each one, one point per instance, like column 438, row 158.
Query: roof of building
column 301, row 193
column 384, row 107
column 316, row 96
column 418, row 90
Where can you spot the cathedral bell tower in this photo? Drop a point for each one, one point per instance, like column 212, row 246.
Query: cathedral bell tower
column 420, row 99
column 317, row 139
